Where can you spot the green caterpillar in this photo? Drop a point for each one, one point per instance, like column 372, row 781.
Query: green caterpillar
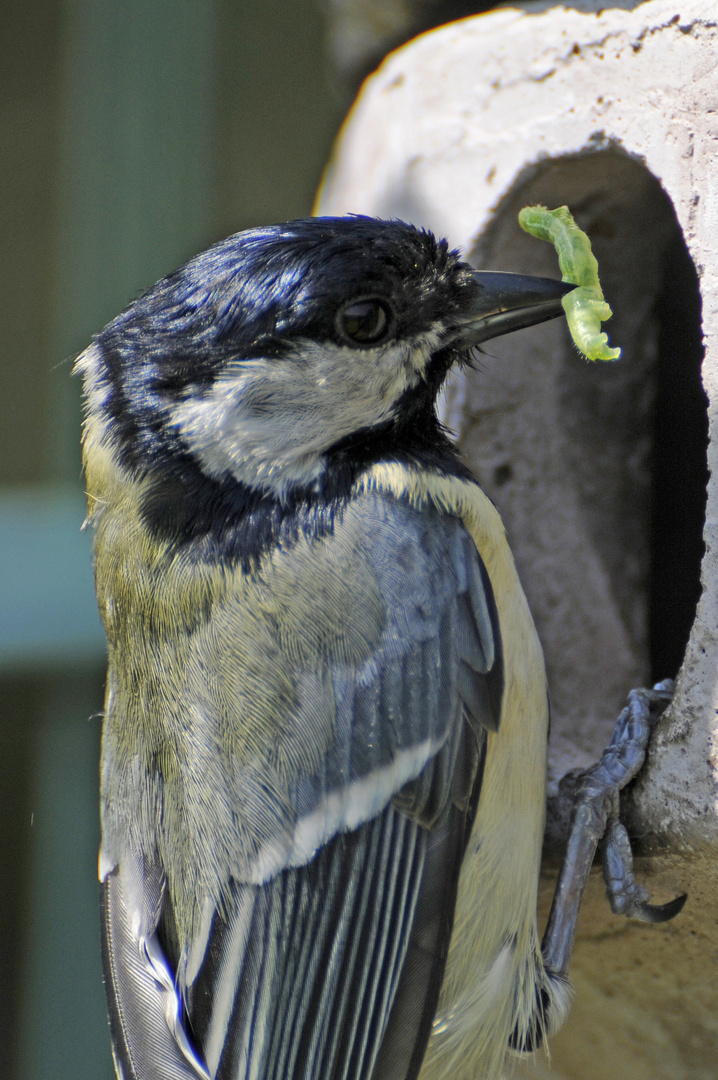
column 585, row 307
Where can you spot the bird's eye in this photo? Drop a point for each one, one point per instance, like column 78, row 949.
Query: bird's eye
column 365, row 322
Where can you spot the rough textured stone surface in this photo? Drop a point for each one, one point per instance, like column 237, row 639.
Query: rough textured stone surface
column 614, row 112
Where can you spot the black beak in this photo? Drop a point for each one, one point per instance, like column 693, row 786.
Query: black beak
column 506, row 302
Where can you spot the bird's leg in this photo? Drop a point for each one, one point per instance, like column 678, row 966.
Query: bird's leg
column 596, row 815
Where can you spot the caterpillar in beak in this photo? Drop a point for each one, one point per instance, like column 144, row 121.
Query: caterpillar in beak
column 585, row 307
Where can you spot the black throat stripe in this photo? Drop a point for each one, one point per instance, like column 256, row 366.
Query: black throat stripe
column 224, row 520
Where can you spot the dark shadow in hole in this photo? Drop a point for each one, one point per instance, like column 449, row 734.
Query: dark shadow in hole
column 679, row 469
column 628, row 440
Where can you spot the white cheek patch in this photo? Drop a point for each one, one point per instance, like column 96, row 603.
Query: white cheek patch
column 268, row 422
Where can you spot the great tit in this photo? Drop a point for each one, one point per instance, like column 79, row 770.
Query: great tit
column 324, row 739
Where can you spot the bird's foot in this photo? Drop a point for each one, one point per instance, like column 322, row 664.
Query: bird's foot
column 596, row 817
column 598, row 792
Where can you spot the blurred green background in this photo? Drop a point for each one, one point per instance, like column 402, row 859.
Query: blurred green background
column 133, row 134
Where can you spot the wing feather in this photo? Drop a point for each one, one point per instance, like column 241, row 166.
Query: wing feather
column 314, row 967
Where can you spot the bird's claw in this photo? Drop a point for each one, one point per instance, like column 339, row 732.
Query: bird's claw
column 658, row 913
column 596, row 817
column 625, row 895
column 597, row 798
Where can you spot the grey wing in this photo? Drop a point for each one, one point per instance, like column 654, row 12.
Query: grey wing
column 332, row 967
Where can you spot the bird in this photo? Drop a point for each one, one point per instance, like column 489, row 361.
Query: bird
column 324, row 735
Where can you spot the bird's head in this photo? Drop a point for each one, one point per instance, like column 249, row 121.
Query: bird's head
column 276, row 350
